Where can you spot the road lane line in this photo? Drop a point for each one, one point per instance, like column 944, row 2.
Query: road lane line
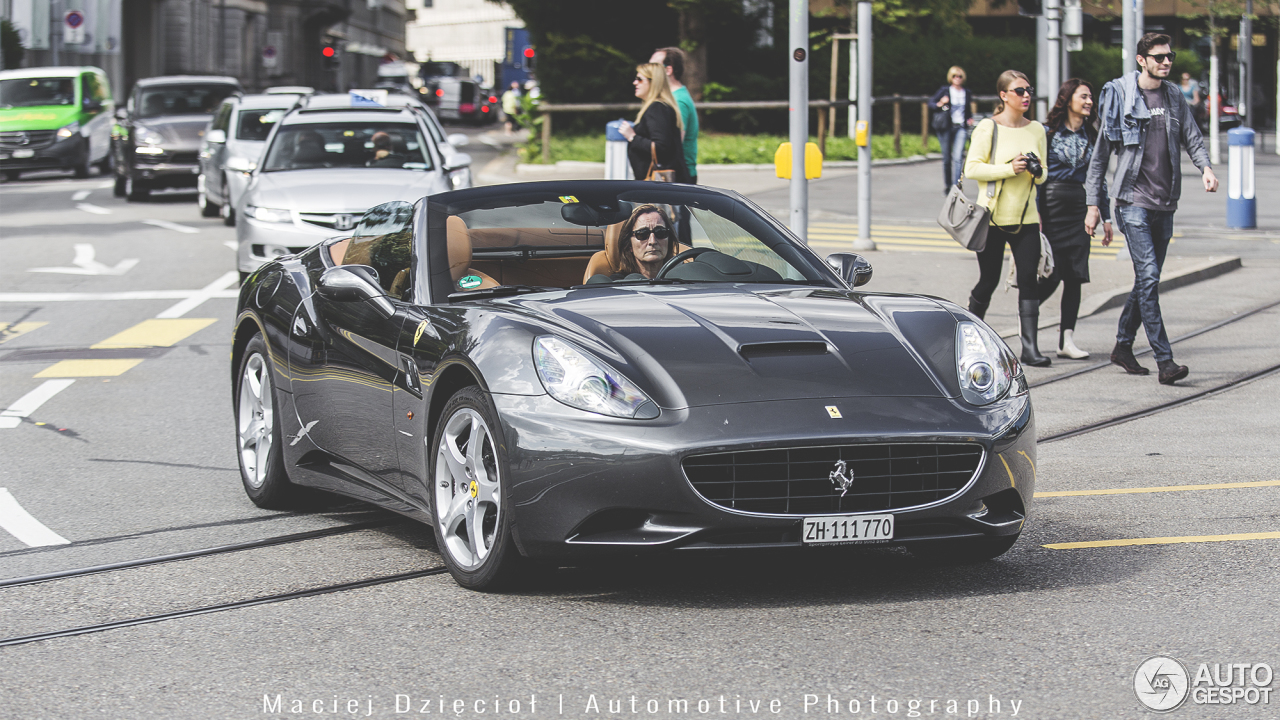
column 208, row 291
column 81, row 195
column 10, row 331
column 89, row 368
column 45, row 297
column 1163, row 488
column 172, row 226
column 20, row 524
column 29, row 403
column 93, row 209
column 1164, row 540
column 155, row 333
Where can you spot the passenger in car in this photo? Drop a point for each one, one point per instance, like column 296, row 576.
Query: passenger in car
column 647, row 242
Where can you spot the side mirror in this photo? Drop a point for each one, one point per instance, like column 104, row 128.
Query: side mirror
column 355, row 283
column 852, row 267
column 457, row 161
column 216, row 137
column 457, row 140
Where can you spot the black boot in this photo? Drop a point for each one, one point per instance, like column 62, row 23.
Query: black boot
column 1029, row 318
column 977, row 307
column 1123, row 356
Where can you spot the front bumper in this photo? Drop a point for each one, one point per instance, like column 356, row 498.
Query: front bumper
column 61, row 153
column 583, row 485
column 172, row 169
column 262, row 241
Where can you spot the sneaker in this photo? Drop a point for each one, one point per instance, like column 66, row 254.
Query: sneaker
column 1171, row 372
column 1122, row 355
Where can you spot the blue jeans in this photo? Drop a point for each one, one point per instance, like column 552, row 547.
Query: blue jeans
column 1146, row 233
column 952, row 142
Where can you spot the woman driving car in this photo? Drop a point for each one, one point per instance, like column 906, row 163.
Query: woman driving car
column 646, row 243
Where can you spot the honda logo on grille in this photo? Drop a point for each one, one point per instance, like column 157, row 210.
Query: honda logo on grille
column 344, row 222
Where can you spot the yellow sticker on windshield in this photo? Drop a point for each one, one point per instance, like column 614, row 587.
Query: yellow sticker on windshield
column 349, row 133
column 568, row 199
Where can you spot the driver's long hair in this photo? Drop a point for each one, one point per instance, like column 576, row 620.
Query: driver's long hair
column 627, row 257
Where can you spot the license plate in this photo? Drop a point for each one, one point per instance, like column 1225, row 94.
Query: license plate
column 848, row 529
column 24, row 153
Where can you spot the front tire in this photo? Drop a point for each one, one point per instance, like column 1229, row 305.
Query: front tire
column 966, row 551
column 469, row 503
column 207, row 209
column 258, row 439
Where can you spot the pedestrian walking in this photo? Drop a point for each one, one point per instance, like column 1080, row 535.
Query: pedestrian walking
column 952, row 100
column 672, row 60
column 511, row 106
column 654, row 141
column 1005, row 158
column 1071, row 135
column 1145, row 119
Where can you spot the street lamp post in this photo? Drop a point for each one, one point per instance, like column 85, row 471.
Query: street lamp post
column 864, row 241
column 799, row 45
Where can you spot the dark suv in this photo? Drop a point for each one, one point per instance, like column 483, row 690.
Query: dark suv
column 157, row 136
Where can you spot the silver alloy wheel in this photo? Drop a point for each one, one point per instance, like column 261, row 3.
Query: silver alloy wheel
column 468, row 494
column 255, row 420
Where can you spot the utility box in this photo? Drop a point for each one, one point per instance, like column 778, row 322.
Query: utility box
column 1242, row 205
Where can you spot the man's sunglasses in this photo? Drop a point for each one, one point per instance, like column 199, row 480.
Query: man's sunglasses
column 1023, row 91
column 661, row 232
column 1164, row 57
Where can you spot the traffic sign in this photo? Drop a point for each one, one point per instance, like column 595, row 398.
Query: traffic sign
column 73, row 27
column 269, row 56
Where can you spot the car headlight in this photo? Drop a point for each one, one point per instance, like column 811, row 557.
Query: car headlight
column 146, row 136
column 986, row 366
column 272, row 215
column 576, row 379
column 67, row 131
column 460, row 178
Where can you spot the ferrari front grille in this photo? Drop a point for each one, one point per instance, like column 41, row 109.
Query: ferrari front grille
column 834, row 479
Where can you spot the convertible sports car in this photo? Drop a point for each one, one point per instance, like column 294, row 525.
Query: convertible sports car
column 481, row 360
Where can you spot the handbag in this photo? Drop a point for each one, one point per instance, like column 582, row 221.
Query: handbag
column 941, row 121
column 1044, row 268
column 656, row 175
column 965, row 221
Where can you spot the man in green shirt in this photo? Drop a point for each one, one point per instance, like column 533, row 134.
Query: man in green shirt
column 673, row 59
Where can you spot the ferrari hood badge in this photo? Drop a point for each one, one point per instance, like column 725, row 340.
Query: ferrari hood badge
column 841, row 477
column 834, row 412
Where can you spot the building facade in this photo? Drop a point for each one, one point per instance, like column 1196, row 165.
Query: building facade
column 471, row 33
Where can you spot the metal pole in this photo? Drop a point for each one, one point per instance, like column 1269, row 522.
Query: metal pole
column 853, row 89
column 798, row 22
column 1053, row 52
column 864, row 241
column 1139, row 22
column 1128, row 42
column 1246, row 55
column 1215, row 152
column 55, row 31
column 1043, row 81
column 835, row 68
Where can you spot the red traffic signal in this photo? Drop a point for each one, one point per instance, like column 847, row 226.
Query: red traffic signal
column 528, row 52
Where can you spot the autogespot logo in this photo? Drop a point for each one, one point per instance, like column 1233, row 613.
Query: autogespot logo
column 1161, row 683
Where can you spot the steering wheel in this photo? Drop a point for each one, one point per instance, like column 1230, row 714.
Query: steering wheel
column 681, row 257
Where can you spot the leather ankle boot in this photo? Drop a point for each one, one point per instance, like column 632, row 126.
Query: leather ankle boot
column 978, row 308
column 1029, row 320
column 1123, row 356
column 1067, row 346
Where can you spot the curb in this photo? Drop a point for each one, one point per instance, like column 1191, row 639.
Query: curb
column 538, row 169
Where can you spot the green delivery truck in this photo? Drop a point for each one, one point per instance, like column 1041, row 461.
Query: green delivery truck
column 55, row 118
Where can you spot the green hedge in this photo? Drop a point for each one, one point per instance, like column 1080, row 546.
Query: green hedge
column 717, row 148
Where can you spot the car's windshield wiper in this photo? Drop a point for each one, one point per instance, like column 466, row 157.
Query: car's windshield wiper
column 499, row 291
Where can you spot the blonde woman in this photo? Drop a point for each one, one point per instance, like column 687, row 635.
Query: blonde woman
column 954, row 99
column 1015, row 167
column 657, row 125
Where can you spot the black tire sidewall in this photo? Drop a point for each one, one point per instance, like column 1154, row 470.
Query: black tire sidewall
column 276, row 490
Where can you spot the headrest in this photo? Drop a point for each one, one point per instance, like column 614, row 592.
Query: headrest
column 459, row 247
column 613, row 244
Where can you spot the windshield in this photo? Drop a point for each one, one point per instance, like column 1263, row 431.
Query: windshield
column 30, row 92
column 181, row 99
column 256, row 124
column 348, row 145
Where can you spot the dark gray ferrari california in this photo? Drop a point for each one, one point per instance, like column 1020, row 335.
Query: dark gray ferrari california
column 563, row 370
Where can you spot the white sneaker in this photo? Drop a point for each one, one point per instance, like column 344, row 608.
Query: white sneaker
column 1069, row 349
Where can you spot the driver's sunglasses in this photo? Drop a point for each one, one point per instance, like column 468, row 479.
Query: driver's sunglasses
column 1164, row 57
column 1023, row 91
column 661, row 232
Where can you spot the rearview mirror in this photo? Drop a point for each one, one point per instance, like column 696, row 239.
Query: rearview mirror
column 355, row 283
column 216, row 137
column 852, row 267
column 457, row 139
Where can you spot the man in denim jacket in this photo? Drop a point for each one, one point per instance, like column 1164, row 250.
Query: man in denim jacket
column 1145, row 119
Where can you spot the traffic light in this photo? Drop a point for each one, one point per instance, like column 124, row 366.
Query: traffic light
column 530, row 59
column 329, row 55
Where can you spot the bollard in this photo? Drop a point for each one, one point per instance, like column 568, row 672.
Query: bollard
column 616, row 166
column 1242, row 206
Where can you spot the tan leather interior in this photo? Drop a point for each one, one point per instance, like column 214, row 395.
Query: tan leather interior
column 460, row 254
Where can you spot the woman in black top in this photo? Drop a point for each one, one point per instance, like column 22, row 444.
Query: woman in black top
column 1071, row 135
column 658, row 124
column 953, row 99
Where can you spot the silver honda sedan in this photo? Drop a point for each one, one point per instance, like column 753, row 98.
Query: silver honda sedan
column 329, row 160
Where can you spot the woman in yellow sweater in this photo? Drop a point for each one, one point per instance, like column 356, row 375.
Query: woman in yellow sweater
column 1007, row 187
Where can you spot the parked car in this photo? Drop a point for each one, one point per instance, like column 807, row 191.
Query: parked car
column 232, row 146
column 157, row 135
column 333, row 157
column 55, row 118
column 477, row 361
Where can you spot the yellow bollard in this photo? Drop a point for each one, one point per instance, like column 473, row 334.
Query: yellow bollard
column 812, row 161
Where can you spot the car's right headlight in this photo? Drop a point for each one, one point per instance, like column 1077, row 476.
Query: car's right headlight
column 986, row 366
column 146, row 136
column 576, row 379
column 271, row 215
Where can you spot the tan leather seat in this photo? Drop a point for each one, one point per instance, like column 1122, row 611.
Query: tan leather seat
column 609, row 260
column 460, row 255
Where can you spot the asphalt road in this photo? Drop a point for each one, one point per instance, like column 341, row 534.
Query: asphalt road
column 135, row 459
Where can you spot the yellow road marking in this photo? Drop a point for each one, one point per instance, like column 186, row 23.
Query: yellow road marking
column 1164, row 488
column 9, row 331
column 1164, row 540
column 156, row 333
column 88, row 368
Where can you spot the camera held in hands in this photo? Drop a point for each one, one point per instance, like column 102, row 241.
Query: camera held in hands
column 1033, row 164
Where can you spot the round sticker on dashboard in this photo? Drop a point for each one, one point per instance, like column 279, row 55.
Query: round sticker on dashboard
column 469, row 282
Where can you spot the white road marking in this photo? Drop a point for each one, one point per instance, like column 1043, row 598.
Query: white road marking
column 86, row 265
column 107, row 184
column 29, row 403
column 45, row 297
column 208, row 291
column 28, row 530
column 80, row 195
column 91, row 208
column 172, row 226
column 232, row 244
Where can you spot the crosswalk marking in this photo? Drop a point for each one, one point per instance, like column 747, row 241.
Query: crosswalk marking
column 9, row 331
column 89, row 368
column 155, row 332
column 12, row 416
column 916, row 238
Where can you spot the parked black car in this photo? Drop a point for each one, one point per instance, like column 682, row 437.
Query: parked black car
column 156, row 139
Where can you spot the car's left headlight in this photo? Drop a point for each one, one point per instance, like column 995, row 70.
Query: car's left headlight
column 576, row 379
column 67, row 131
column 986, row 366
column 460, row 178
column 272, row 215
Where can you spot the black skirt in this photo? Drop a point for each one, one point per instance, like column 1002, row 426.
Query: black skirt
column 1063, row 222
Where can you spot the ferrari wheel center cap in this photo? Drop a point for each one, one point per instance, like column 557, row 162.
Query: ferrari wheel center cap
column 475, row 488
